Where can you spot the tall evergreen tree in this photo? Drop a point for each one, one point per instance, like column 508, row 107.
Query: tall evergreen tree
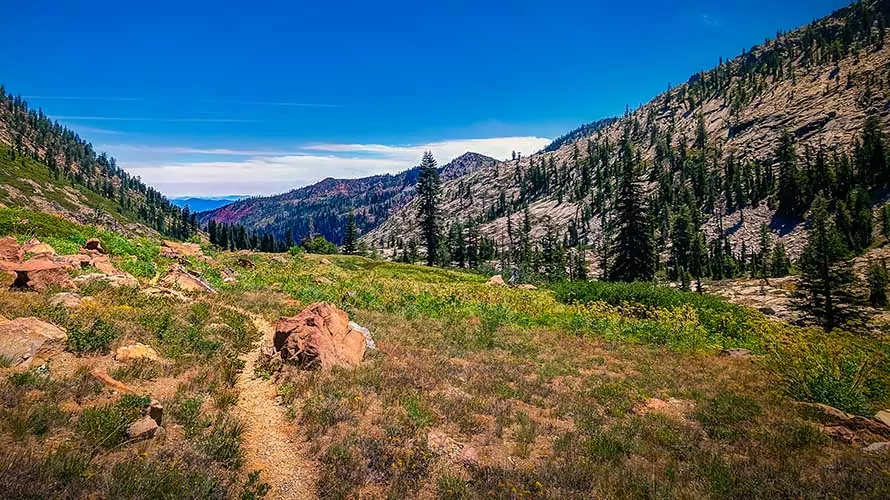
column 826, row 275
column 350, row 235
column 633, row 247
column 428, row 191
column 789, row 176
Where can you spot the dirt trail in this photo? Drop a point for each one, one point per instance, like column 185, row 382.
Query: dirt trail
column 270, row 442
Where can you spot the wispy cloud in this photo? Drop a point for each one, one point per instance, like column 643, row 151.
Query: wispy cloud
column 275, row 103
column 710, row 21
column 82, row 98
column 83, row 129
column 187, row 150
column 151, row 119
column 261, row 172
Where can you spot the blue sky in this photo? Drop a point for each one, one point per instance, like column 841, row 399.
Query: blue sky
column 212, row 98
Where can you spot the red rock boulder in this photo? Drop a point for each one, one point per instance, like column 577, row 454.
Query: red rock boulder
column 319, row 338
column 38, row 274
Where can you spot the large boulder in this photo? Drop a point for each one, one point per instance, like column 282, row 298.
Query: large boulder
column 22, row 340
column 320, row 337
column 103, row 264
column 179, row 278
column 38, row 274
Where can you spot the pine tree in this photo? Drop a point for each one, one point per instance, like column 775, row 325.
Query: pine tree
column 789, row 176
column 878, row 281
column 780, row 265
column 349, row 237
column 885, row 221
column 826, row 275
column 633, row 247
column 428, row 191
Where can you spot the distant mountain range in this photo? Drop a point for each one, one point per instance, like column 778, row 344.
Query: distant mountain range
column 200, row 204
column 326, row 204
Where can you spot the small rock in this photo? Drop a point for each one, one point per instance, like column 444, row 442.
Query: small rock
column 769, row 311
column 144, row 428
column 156, row 411
column 102, row 376
column 882, row 447
column 155, row 291
column 527, row 286
column 135, row 352
column 67, row 300
column 321, row 280
column 179, row 277
column 442, row 443
column 182, row 249
column 496, row 280
column 325, row 261
column 35, row 247
column 246, row 263
column 103, row 264
column 94, row 245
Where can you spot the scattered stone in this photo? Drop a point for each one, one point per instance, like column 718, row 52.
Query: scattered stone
column 230, row 279
column 527, row 286
column 94, row 245
column 120, row 280
column 496, row 280
column 67, row 300
column 736, row 353
column 369, row 340
column 24, row 339
column 144, row 428
column 156, row 411
column 37, row 274
column 880, row 448
column 319, row 337
column 858, row 423
column 103, row 264
column 78, row 261
column 321, row 280
column 102, row 376
column 136, row 352
column 10, row 250
column 179, row 278
column 768, row 311
column 246, row 263
column 325, row 261
column 35, row 247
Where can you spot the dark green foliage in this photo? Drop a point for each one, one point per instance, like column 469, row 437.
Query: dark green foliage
column 885, row 220
column 789, row 194
column 633, row 250
column 428, row 216
column 95, row 338
column 350, row 236
column 319, row 245
column 824, row 292
column 878, row 283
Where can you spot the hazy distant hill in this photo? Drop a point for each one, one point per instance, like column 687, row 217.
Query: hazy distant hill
column 197, row 204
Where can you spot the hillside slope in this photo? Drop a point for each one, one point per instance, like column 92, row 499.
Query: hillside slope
column 328, row 202
column 819, row 82
column 50, row 168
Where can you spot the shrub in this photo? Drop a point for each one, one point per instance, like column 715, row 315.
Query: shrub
column 223, row 442
column 106, row 425
column 93, row 339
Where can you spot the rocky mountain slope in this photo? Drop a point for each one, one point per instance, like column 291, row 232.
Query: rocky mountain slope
column 328, row 202
column 819, row 82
